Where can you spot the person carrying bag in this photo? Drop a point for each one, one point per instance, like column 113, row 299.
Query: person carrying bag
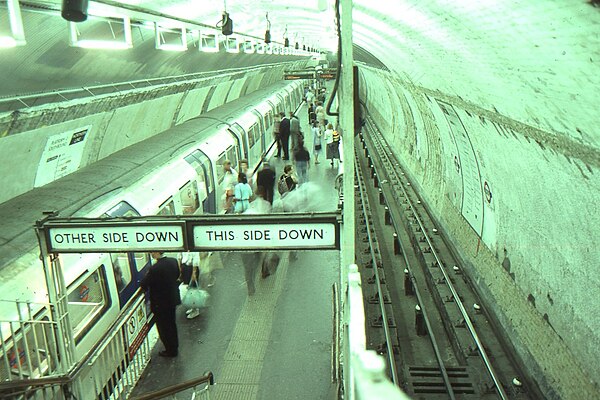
column 195, row 298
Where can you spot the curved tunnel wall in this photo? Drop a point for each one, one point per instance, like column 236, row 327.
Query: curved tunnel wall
column 109, row 123
column 522, row 211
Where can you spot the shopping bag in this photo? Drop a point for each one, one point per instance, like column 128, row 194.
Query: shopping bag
column 195, row 298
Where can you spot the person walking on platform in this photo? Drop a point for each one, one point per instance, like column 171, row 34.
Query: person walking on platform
column 317, row 147
column 250, row 262
column 311, row 112
column 229, row 181
column 310, row 96
column 302, row 158
column 265, row 182
column 284, row 133
column 287, row 181
column 320, row 113
column 241, row 194
column 294, row 131
column 332, row 151
column 277, row 135
column 162, row 282
column 244, row 169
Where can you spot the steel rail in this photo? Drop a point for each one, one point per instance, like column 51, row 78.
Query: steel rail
column 455, row 295
column 386, row 328
column 432, row 337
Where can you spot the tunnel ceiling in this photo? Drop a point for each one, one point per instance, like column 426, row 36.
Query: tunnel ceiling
column 534, row 62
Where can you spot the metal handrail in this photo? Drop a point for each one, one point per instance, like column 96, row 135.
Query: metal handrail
column 178, row 387
column 76, row 368
column 37, row 382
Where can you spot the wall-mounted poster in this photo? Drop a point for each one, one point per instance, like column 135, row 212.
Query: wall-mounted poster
column 61, row 156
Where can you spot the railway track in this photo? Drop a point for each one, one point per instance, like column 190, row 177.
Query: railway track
column 423, row 313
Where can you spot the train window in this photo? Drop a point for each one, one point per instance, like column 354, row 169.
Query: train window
column 123, row 209
column 232, row 156
column 120, row 265
column 251, row 139
column 201, row 164
column 189, row 198
column 194, row 161
column 219, row 166
column 268, row 120
column 87, row 301
column 256, row 133
column 167, row 208
column 209, row 173
column 141, row 259
column 201, row 184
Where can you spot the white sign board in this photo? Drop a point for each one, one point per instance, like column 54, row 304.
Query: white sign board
column 116, row 238
column 136, row 328
column 62, row 156
column 317, row 235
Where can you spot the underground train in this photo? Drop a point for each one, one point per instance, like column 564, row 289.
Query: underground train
column 176, row 172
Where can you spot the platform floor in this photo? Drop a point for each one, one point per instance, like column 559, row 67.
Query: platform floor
column 275, row 344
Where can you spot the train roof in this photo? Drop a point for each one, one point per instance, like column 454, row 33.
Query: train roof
column 105, row 180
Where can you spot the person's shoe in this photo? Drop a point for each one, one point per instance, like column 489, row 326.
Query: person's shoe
column 277, row 156
column 188, row 312
column 195, row 312
column 167, row 354
column 316, row 162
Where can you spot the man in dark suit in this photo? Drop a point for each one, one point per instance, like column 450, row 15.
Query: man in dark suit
column 265, row 182
column 284, row 133
column 162, row 282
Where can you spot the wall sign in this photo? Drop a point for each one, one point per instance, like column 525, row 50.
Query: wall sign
column 61, row 156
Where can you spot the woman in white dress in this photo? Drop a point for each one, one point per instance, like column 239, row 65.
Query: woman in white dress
column 241, row 194
column 317, row 145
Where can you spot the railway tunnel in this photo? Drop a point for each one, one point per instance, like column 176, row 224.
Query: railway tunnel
column 490, row 107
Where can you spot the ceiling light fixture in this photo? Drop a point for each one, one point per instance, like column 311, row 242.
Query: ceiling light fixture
column 208, row 42
column 17, row 37
column 226, row 22
column 232, row 44
column 74, row 10
column 268, row 31
column 170, row 39
column 286, row 41
column 98, row 39
column 249, row 46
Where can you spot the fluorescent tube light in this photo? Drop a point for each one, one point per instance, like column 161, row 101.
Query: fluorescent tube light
column 16, row 26
column 75, row 39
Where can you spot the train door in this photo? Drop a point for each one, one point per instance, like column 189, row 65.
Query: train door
column 241, row 138
column 201, row 163
column 281, row 105
column 128, row 268
column 260, row 134
column 254, row 152
column 270, row 117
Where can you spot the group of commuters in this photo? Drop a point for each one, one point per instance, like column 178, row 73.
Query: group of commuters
column 166, row 274
column 323, row 131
